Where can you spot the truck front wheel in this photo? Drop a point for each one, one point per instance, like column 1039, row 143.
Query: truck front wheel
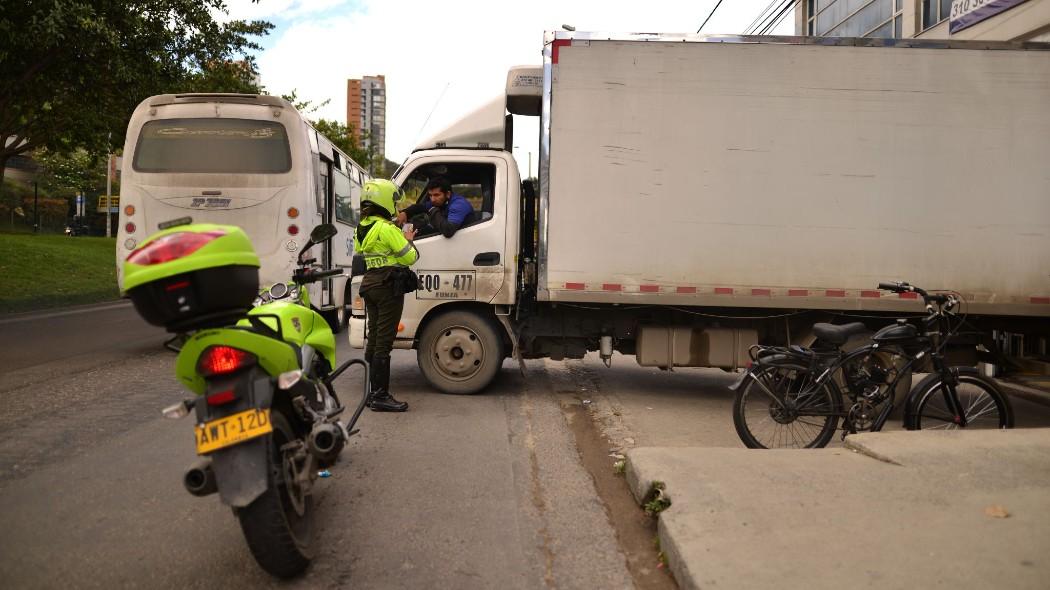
column 460, row 352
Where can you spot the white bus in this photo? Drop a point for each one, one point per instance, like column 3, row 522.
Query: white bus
column 246, row 160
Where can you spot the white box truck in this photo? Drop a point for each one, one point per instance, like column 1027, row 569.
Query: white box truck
column 699, row 194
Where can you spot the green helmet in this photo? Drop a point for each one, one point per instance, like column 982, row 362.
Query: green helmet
column 381, row 192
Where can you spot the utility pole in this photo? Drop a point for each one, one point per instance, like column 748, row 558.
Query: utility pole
column 36, row 207
column 109, row 187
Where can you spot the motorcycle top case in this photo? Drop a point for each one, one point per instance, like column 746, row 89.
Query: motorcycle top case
column 193, row 276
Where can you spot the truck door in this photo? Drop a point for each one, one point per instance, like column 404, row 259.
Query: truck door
column 470, row 265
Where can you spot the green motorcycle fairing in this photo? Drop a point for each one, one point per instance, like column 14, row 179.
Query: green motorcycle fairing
column 299, row 325
column 275, row 356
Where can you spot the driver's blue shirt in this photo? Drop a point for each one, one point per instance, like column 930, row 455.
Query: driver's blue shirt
column 459, row 209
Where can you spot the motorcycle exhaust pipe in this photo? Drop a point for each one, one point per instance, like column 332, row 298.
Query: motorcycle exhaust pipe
column 200, row 479
column 325, row 441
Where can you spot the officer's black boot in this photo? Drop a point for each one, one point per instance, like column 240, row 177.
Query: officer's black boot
column 382, row 401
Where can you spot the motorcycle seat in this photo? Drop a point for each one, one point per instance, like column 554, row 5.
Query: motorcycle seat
column 838, row 335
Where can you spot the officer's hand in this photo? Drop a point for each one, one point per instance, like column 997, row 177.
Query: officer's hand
column 410, row 234
column 402, row 217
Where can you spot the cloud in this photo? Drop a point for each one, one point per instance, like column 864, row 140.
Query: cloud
column 424, row 47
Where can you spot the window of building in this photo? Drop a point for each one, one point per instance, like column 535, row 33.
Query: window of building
column 935, row 11
column 854, row 18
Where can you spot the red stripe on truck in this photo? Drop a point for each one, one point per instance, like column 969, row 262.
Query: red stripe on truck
column 649, row 288
column 909, row 295
column 761, row 292
column 575, row 286
column 798, row 292
column 875, row 294
column 556, row 45
column 612, row 287
column 1042, row 300
column 685, row 290
column 835, row 293
column 723, row 290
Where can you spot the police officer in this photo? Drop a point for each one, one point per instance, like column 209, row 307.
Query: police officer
column 385, row 249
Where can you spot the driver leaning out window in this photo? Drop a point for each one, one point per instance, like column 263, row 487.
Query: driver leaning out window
column 445, row 210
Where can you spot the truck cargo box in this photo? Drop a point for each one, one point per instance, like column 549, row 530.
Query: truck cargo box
column 763, row 174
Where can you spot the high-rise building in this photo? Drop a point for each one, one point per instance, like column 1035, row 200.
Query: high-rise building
column 366, row 111
column 1002, row 20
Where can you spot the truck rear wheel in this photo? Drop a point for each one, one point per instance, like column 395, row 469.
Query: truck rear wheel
column 460, row 352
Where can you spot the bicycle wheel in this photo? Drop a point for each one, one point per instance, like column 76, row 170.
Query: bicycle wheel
column 781, row 408
column 983, row 404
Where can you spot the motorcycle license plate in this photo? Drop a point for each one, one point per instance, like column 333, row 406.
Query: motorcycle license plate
column 231, row 430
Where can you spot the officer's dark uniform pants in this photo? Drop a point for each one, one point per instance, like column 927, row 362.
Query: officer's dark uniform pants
column 383, row 306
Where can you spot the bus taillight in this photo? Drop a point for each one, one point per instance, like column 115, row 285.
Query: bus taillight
column 129, row 227
column 129, row 210
column 293, row 230
column 293, row 212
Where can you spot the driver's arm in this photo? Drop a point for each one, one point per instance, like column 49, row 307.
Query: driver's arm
column 417, row 209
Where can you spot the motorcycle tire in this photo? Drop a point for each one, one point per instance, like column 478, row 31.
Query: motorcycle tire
column 278, row 525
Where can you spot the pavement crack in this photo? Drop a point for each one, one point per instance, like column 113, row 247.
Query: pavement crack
column 864, row 450
column 536, row 492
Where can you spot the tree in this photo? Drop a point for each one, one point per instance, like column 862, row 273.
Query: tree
column 305, row 107
column 74, row 70
column 64, row 175
column 344, row 138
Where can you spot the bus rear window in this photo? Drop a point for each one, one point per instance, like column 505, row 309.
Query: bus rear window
column 229, row 146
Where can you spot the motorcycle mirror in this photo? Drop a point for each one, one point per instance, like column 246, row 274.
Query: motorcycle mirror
column 323, row 233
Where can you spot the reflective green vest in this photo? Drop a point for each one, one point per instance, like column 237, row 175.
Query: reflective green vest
column 384, row 244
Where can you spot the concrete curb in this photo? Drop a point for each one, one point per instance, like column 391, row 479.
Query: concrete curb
column 894, row 509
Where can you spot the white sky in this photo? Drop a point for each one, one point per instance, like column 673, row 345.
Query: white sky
column 460, row 49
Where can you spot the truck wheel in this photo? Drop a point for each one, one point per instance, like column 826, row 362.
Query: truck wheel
column 460, row 352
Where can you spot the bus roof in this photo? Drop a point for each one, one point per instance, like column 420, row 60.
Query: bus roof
column 260, row 99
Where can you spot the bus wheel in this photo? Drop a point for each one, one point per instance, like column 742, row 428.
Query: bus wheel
column 337, row 318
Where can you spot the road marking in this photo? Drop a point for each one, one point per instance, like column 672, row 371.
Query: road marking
column 56, row 314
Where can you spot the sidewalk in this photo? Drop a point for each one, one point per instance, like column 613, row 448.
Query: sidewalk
column 890, row 510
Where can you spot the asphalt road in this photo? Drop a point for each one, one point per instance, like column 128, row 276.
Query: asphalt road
column 460, row 492
column 509, row 489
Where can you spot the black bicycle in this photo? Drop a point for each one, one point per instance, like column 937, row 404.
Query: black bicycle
column 790, row 397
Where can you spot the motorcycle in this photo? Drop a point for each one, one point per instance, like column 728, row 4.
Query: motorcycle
column 261, row 364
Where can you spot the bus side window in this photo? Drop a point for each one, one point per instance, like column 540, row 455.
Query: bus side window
column 345, row 212
column 322, row 187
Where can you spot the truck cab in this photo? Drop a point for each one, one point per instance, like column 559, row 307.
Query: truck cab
column 469, row 280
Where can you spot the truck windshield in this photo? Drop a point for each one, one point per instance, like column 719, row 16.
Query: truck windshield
column 230, row 146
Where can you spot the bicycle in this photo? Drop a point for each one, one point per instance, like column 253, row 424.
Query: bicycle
column 789, row 397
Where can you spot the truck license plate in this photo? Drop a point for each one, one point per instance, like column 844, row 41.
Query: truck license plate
column 231, row 430
column 447, row 284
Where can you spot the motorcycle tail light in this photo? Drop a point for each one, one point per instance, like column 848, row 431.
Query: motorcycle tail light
column 222, row 360
column 173, row 246
column 221, row 398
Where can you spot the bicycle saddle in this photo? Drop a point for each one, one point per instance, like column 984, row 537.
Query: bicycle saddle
column 838, row 334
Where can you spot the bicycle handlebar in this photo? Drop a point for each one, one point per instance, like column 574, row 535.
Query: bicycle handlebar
column 902, row 287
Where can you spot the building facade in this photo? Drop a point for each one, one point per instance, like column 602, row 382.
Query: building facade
column 366, row 111
column 986, row 20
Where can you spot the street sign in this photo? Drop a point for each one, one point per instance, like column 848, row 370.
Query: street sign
column 114, row 203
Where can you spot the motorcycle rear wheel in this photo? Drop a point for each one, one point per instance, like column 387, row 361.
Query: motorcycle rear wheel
column 278, row 524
